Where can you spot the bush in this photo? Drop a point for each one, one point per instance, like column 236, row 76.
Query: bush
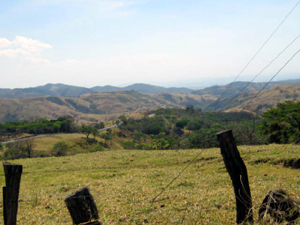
column 59, row 149
column 98, row 148
column 204, row 138
column 128, row 144
column 19, row 150
column 91, row 141
column 14, row 153
column 182, row 123
column 1, row 146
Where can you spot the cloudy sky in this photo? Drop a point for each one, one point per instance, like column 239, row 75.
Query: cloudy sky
column 165, row 42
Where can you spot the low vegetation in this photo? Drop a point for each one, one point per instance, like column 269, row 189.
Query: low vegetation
column 124, row 183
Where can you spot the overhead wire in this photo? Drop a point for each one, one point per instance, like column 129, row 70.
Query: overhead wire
column 263, row 45
column 259, row 73
column 290, row 12
column 272, row 78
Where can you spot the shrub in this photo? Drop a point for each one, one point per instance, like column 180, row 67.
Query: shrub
column 59, row 149
column 182, row 123
column 128, row 144
column 98, row 148
column 20, row 149
column 14, row 153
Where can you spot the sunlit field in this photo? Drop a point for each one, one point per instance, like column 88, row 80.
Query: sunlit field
column 124, row 183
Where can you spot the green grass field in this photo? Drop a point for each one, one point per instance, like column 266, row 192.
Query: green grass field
column 124, row 182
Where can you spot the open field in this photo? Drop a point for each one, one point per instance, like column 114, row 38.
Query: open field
column 123, row 183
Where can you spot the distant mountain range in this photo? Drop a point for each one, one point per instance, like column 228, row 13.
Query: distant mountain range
column 63, row 90
column 109, row 105
column 235, row 88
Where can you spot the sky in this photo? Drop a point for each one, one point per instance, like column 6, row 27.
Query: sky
column 193, row 43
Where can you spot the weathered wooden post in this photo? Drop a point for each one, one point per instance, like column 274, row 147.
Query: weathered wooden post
column 11, row 192
column 238, row 173
column 82, row 207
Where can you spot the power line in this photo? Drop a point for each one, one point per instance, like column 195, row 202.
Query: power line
column 258, row 51
column 271, row 79
column 259, row 73
column 175, row 178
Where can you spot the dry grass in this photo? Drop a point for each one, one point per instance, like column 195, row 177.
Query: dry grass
column 123, row 183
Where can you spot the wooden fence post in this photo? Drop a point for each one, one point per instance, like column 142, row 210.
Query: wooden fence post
column 238, row 173
column 11, row 192
column 82, row 207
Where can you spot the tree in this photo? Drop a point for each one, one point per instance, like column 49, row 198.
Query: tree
column 100, row 125
column 109, row 130
column 87, row 130
column 106, row 137
column 190, row 109
column 194, row 125
column 247, row 132
column 287, row 112
column 20, row 149
column 28, row 146
column 203, row 138
column 123, row 119
column 95, row 132
column 182, row 123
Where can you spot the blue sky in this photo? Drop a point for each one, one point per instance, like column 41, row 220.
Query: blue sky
column 119, row 42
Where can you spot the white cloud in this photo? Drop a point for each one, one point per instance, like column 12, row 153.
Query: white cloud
column 27, row 49
column 13, row 53
column 4, row 43
column 36, row 60
column 30, row 44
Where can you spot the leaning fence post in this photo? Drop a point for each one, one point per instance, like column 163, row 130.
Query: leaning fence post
column 82, row 207
column 11, row 192
column 238, row 173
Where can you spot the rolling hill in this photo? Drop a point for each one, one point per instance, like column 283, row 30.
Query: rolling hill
column 267, row 98
column 236, row 87
column 96, row 106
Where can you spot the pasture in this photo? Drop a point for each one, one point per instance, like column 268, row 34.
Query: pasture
column 124, row 182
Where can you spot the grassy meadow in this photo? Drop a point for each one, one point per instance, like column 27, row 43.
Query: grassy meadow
column 124, row 182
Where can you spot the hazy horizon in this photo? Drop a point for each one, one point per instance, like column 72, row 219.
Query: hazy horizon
column 180, row 84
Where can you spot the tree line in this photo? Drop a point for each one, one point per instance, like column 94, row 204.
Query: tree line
column 176, row 128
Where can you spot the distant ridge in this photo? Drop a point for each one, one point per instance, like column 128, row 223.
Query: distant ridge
column 236, row 87
column 63, row 90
